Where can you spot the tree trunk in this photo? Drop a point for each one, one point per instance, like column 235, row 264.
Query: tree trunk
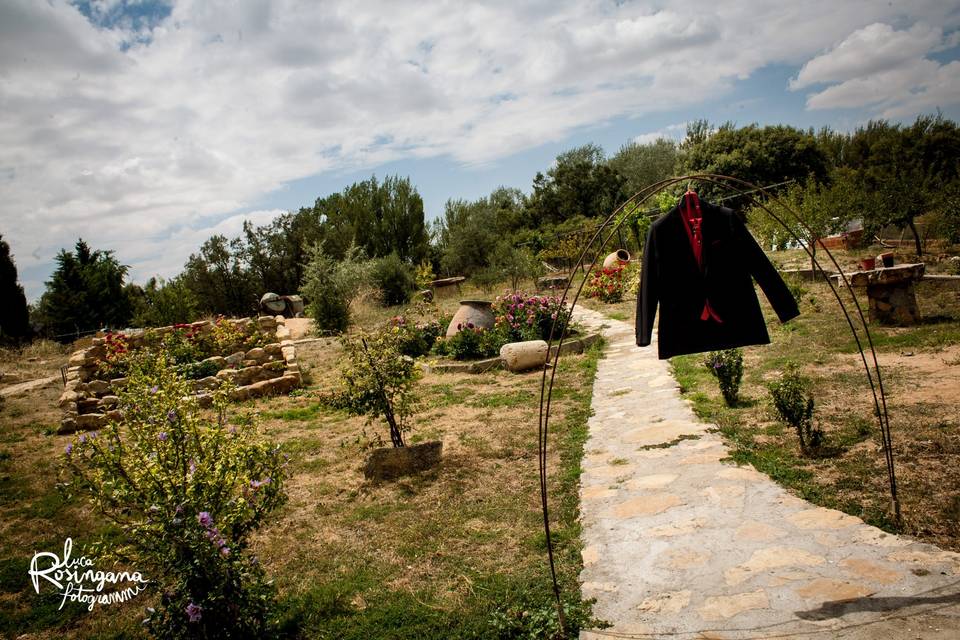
column 916, row 237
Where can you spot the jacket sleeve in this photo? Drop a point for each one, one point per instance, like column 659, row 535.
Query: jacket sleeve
column 649, row 293
column 765, row 273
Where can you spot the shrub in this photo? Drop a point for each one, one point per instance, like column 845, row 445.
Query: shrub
column 530, row 317
column 794, row 405
column 727, row 367
column 329, row 286
column 394, row 280
column 186, row 492
column 607, row 284
column 378, row 381
column 424, row 275
column 416, row 338
column 470, row 342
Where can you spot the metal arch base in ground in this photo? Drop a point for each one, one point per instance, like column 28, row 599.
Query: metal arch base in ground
column 679, row 544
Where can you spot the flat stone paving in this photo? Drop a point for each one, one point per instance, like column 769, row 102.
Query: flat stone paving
column 678, row 544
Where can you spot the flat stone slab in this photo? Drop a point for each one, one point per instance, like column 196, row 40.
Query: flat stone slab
column 678, row 543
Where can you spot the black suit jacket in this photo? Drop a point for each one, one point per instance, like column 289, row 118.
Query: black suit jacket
column 672, row 278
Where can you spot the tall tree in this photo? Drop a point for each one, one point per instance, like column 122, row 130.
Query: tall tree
column 761, row 155
column 580, row 182
column 219, row 279
column 381, row 218
column 644, row 164
column 14, row 317
column 903, row 170
column 469, row 231
column 86, row 292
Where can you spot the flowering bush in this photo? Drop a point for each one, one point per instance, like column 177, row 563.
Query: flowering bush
column 472, row 342
column 417, row 338
column 529, row 317
column 186, row 490
column 608, row 284
column 727, row 367
column 114, row 362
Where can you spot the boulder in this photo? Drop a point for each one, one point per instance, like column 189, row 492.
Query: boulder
column 235, row 358
column 98, row 387
column 88, row 405
column 90, row 420
column 257, row 355
column 207, row 384
column 219, row 361
column 67, row 425
column 109, row 402
column 68, row 397
column 230, row 375
column 273, row 350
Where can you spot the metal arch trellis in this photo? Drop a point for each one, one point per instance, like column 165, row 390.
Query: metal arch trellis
column 736, row 186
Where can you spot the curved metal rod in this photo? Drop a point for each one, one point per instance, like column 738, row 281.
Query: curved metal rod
column 546, row 390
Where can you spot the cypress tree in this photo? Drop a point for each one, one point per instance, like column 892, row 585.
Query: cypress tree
column 14, row 318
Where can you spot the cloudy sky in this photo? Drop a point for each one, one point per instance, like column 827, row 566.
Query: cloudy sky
column 146, row 126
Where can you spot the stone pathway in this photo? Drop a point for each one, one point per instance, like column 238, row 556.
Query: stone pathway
column 24, row 387
column 678, row 544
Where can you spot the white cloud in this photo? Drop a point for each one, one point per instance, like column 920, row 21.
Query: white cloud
column 128, row 138
column 884, row 70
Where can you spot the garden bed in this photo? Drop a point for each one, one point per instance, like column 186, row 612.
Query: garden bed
column 572, row 345
column 255, row 354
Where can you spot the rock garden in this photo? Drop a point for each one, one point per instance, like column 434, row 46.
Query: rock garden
column 252, row 355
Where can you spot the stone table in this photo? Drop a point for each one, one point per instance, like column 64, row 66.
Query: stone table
column 443, row 283
column 891, row 292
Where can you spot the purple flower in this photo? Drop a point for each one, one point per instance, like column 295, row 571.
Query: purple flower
column 224, row 551
column 172, row 415
column 193, row 612
column 162, row 436
column 205, row 519
column 69, row 449
column 153, row 390
column 193, row 467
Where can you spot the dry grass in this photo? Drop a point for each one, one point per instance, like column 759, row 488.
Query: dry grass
column 422, row 555
column 921, row 376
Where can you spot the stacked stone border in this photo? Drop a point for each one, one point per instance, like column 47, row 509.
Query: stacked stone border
column 88, row 402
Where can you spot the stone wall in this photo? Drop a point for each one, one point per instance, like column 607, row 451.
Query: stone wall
column 88, row 402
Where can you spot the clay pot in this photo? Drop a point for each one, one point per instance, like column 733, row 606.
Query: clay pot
column 475, row 312
column 620, row 255
column 868, row 264
column 886, row 258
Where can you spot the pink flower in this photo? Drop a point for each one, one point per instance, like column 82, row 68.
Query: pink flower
column 194, row 612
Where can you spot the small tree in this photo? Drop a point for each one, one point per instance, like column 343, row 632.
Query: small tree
column 186, row 494
column 794, row 405
column 378, row 380
column 329, row 286
column 515, row 264
column 394, row 279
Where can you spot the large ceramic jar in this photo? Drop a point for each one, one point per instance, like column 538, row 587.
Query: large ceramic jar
column 475, row 312
column 620, row 255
